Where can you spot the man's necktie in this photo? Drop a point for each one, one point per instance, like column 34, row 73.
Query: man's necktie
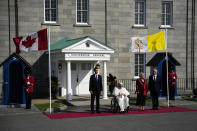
column 96, row 77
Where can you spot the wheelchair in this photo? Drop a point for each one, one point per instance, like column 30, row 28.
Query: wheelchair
column 115, row 108
column 114, row 105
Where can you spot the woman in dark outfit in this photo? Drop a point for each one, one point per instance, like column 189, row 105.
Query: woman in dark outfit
column 141, row 89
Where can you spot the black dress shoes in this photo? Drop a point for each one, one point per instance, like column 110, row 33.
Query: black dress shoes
column 98, row 112
column 155, row 108
column 92, row 112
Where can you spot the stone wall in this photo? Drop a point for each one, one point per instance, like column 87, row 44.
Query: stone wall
column 120, row 21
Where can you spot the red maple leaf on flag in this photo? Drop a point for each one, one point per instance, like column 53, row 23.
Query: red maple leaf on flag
column 28, row 42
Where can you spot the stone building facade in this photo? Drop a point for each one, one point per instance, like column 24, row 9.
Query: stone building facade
column 112, row 22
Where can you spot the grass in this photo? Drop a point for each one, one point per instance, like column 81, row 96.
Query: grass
column 43, row 107
column 189, row 98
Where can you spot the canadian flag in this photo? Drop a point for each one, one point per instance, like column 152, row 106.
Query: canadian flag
column 33, row 42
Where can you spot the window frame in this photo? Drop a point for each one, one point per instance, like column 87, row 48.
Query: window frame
column 138, row 64
column 140, row 25
column 52, row 22
column 82, row 23
column 171, row 14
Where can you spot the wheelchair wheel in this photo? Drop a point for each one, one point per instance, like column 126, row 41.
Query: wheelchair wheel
column 114, row 106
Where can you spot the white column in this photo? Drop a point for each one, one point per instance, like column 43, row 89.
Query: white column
column 104, row 80
column 69, row 91
column 64, row 79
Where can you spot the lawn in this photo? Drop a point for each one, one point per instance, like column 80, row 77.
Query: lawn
column 189, row 98
column 43, row 107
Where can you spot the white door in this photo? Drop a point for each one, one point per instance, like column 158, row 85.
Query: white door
column 80, row 74
column 74, row 78
column 85, row 72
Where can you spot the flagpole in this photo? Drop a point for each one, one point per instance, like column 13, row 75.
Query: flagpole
column 166, row 43
column 49, row 49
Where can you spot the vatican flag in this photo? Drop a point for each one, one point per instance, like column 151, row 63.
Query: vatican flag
column 156, row 41
column 148, row 43
column 139, row 44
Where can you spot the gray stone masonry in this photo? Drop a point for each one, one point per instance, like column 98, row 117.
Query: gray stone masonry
column 120, row 20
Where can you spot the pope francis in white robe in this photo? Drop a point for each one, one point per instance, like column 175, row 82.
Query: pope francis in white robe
column 122, row 96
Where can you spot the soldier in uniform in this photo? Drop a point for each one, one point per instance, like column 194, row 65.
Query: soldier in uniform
column 28, row 83
column 172, row 77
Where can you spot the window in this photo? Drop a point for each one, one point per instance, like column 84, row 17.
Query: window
column 140, row 15
column 73, row 66
column 85, row 66
column 50, row 11
column 139, row 64
column 166, row 14
column 82, row 13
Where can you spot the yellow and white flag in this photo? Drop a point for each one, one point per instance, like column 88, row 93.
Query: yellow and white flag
column 139, row 44
column 148, row 43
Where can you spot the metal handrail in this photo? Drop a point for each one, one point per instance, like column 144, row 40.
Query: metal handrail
column 130, row 85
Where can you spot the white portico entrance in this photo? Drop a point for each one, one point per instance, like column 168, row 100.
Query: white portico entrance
column 73, row 61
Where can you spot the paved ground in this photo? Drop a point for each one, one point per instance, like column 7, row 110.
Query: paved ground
column 20, row 119
column 185, row 121
column 82, row 104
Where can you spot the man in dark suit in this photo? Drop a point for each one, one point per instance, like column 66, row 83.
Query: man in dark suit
column 154, row 87
column 95, row 88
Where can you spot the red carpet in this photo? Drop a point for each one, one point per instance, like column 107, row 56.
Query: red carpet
column 88, row 114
